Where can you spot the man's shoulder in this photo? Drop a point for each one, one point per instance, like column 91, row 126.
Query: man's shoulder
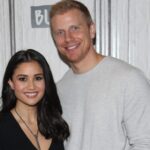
column 121, row 65
column 120, row 69
column 65, row 77
column 118, row 62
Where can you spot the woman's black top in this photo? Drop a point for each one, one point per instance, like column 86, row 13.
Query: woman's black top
column 12, row 136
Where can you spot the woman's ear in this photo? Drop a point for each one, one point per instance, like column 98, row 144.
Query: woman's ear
column 11, row 84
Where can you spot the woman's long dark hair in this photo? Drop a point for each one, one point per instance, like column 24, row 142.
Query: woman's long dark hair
column 49, row 111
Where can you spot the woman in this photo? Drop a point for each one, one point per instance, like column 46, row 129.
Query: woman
column 30, row 118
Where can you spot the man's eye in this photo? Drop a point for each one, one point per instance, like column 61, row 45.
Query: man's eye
column 74, row 28
column 60, row 33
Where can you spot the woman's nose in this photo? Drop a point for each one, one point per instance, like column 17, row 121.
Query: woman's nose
column 31, row 85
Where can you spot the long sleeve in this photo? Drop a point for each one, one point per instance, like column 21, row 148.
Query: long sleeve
column 137, row 112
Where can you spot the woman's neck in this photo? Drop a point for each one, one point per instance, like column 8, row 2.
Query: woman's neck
column 29, row 115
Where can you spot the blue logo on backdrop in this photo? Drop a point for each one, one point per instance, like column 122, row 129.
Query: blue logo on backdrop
column 40, row 16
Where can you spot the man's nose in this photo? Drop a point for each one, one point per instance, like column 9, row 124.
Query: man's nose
column 68, row 36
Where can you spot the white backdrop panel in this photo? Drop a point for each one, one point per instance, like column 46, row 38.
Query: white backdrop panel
column 39, row 38
column 4, row 37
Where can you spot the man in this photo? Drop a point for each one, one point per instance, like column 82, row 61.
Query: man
column 105, row 100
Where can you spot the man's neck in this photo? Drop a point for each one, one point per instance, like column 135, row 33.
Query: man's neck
column 87, row 64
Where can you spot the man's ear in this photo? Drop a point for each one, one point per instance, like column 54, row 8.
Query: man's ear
column 11, row 84
column 92, row 30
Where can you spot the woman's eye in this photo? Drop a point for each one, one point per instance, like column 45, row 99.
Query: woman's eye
column 22, row 79
column 39, row 78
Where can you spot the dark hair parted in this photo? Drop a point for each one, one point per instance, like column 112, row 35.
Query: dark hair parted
column 66, row 5
column 49, row 111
